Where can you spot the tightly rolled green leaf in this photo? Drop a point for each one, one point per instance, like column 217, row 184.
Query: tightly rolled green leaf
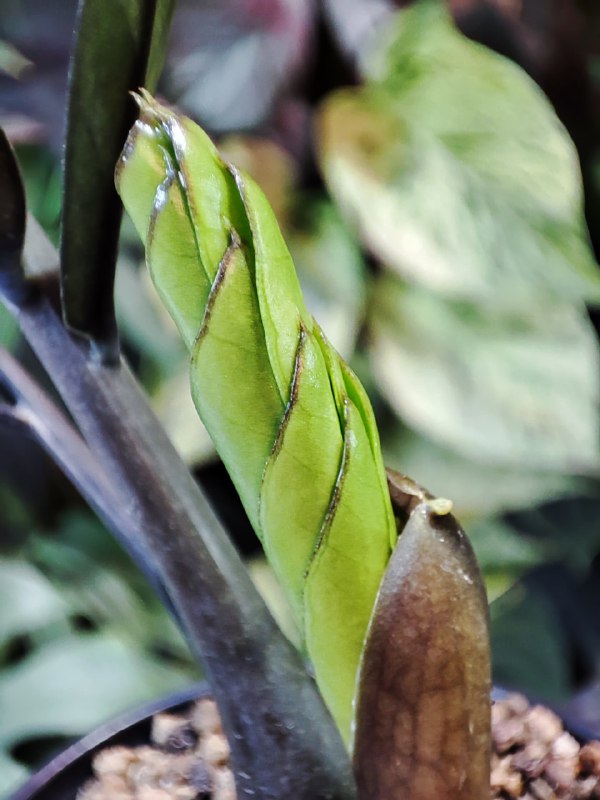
column 289, row 419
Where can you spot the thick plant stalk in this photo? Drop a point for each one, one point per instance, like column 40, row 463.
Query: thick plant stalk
column 271, row 711
column 32, row 411
column 272, row 714
column 289, row 419
column 423, row 710
column 119, row 44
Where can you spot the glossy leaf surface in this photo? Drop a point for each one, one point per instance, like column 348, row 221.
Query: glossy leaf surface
column 288, row 418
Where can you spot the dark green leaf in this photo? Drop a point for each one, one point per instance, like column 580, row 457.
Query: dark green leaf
column 545, row 629
column 529, row 643
column 567, row 528
column 9, row 330
column 120, row 46
column 12, row 223
column 503, row 554
column 42, row 178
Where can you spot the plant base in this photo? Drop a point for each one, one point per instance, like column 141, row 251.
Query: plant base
column 183, row 755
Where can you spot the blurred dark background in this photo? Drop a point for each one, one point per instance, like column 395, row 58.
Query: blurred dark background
column 81, row 635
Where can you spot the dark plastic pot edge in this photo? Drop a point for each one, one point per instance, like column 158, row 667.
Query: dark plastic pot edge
column 74, row 764
column 55, row 780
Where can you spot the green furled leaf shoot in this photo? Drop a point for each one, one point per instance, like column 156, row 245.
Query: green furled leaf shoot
column 289, row 419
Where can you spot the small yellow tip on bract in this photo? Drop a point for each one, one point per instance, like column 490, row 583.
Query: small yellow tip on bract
column 440, row 506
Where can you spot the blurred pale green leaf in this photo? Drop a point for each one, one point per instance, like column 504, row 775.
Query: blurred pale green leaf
column 456, row 170
column 97, row 582
column 272, row 593
column 11, row 774
column 475, row 488
column 142, row 319
column 106, row 597
column 176, row 410
column 12, row 62
column 63, row 683
column 331, row 271
column 28, row 601
column 504, row 389
column 72, row 684
column 146, row 325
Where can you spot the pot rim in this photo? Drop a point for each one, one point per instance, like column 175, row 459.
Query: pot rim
column 83, row 749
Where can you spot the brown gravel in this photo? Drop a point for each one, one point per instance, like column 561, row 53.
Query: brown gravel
column 533, row 758
column 188, row 759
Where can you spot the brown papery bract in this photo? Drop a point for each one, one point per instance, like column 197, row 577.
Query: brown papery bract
column 423, row 707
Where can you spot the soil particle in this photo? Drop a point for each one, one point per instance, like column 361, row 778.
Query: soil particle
column 174, row 733
column 187, row 759
column 533, row 758
column 589, row 758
